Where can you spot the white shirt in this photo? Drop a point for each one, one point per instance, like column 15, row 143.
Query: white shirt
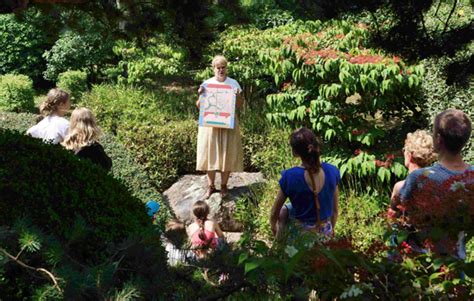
column 228, row 81
column 52, row 129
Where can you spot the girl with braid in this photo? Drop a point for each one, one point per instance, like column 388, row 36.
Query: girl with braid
column 204, row 233
column 311, row 188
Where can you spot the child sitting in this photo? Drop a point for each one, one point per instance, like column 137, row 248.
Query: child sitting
column 53, row 127
column 418, row 153
column 203, row 233
column 83, row 138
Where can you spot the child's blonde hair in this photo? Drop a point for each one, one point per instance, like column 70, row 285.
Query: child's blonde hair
column 420, row 145
column 83, row 130
column 53, row 100
column 201, row 211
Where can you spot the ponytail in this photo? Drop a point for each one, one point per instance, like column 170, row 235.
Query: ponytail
column 201, row 234
column 201, row 211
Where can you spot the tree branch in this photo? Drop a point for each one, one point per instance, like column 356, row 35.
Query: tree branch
column 437, row 8
column 449, row 16
column 24, row 265
column 424, row 26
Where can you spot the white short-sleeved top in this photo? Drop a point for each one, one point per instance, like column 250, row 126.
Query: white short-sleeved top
column 228, row 81
column 51, row 129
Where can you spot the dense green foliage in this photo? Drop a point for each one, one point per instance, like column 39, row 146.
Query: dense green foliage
column 22, row 43
column 441, row 96
column 147, row 66
column 16, row 93
column 63, row 192
column 73, row 82
column 164, row 143
column 75, row 51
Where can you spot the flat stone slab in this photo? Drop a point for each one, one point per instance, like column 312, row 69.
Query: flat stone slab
column 191, row 188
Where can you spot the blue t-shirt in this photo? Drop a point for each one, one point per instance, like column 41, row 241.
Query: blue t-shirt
column 294, row 186
column 439, row 174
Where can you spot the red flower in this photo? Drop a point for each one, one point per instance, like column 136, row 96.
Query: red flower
column 366, row 59
column 340, row 36
column 406, row 248
column 357, row 151
column 357, row 132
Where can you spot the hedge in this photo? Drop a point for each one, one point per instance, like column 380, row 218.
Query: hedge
column 16, row 93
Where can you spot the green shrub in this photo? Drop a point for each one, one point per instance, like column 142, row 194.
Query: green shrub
column 16, row 93
column 74, row 82
column 147, row 66
column 22, row 43
column 118, row 105
column 361, row 217
column 439, row 96
column 76, row 51
column 70, row 198
column 166, row 152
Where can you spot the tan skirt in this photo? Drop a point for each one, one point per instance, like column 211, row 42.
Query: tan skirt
column 219, row 149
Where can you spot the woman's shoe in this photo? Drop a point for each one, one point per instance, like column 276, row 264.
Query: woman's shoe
column 210, row 190
column 224, row 190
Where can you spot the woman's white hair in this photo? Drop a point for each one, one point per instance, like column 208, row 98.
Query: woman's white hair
column 219, row 59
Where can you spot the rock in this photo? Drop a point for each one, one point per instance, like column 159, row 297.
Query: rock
column 191, row 188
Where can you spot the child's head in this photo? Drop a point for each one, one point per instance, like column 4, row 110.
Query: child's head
column 306, row 145
column 451, row 131
column 83, row 129
column 175, row 231
column 201, row 210
column 57, row 102
column 419, row 149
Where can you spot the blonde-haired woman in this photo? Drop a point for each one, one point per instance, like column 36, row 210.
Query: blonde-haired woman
column 83, row 138
column 220, row 149
column 53, row 127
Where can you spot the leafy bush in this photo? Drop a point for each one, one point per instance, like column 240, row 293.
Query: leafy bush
column 166, row 152
column 16, row 93
column 158, row 127
column 74, row 82
column 76, row 51
column 23, row 43
column 116, row 106
column 73, row 199
column 269, row 17
column 99, row 239
column 361, row 217
column 439, row 96
column 148, row 65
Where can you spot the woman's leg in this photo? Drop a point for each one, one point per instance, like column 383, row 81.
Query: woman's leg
column 282, row 221
column 224, row 179
column 211, row 177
